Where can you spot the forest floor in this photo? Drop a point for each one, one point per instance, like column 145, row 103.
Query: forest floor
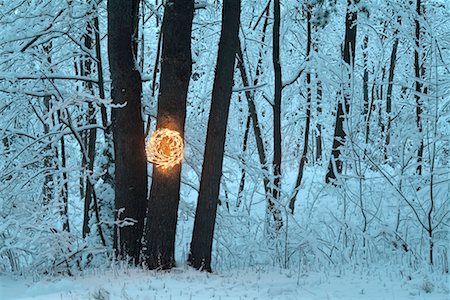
column 252, row 283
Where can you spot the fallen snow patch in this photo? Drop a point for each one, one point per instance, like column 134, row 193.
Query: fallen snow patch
column 240, row 285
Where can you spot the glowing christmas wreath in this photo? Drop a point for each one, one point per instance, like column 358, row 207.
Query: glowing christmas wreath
column 165, row 148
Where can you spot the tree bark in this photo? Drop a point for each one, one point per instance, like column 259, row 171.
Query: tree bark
column 389, row 92
column 128, row 132
column 418, row 87
column 203, row 233
column 244, row 149
column 86, row 70
column 319, row 88
column 176, row 68
column 348, row 56
column 64, row 189
column 319, row 125
column 276, row 109
column 365, row 77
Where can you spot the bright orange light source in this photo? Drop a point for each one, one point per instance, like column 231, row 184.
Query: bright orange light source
column 165, row 148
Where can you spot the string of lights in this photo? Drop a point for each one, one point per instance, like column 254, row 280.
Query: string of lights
column 165, row 148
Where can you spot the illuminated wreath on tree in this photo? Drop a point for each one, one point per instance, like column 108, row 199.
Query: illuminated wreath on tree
column 165, row 148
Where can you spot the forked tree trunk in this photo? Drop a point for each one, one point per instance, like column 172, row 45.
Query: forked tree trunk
column 348, row 56
column 252, row 115
column 176, row 68
column 205, row 217
column 128, row 131
column 275, row 211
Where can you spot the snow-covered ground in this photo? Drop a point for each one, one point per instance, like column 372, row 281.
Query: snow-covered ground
column 252, row 283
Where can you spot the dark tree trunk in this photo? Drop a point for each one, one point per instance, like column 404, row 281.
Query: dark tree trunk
column 365, row 77
column 128, row 132
column 257, row 132
column 59, row 159
column 64, row 190
column 202, row 237
column 252, row 110
column 319, row 124
column 304, row 155
column 418, row 87
column 176, row 68
column 276, row 108
column 348, row 55
column 49, row 154
column 90, row 196
column 101, row 82
column 156, row 67
column 108, row 162
column 252, row 114
column 389, row 93
column 244, row 149
column 367, row 110
column 318, row 156
column 86, row 69
column 380, row 97
column 276, row 213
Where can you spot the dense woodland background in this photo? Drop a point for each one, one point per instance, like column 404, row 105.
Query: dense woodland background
column 337, row 144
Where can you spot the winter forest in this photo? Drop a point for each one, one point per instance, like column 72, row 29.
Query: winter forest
column 224, row 149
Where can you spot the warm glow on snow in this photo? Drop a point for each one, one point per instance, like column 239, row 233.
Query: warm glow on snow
column 165, row 148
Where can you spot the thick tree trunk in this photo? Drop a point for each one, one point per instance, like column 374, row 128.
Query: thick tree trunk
column 128, row 131
column 176, row 68
column 205, row 217
column 276, row 109
column 348, row 56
